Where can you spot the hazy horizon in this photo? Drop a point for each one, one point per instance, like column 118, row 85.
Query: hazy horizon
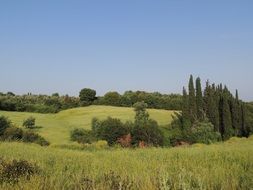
column 64, row 46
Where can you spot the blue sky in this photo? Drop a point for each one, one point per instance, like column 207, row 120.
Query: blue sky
column 62, row 46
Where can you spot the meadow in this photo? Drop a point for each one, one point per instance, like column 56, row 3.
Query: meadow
column 56, row 127
column 225, row 166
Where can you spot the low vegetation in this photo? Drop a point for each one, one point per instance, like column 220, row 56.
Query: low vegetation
column 9, row 132
column 218, row 166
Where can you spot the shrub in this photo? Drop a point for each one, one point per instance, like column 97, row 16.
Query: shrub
column 125, row 141
column 11, row 172
column 29, row 123
column 203, row 132
column 82, row 136
column 13, row 133
column 34, row 138
column 114, row 181
column 149, row 133
column 110, row 130
column 4, row 124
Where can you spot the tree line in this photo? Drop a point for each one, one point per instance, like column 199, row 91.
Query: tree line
column 55, row 103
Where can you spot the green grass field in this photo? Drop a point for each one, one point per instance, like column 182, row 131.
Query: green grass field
column 56, row 127
column 226, row 166
column 66, row 165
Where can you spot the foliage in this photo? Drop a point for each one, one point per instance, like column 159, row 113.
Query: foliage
column 4, row 124
column 56, row 103
column 149, row 133
column 125, row 141
column 32, row 137
column 112, row 98
column 29, row 123
column 226, row 112
column 12, row 172
column 145, row 130
column 37, row 103
column 87, row 95
column 12, row 134
column 153, row 100
column 203, row 132
column 249, row 118
column 82, row 136
column 110, row 130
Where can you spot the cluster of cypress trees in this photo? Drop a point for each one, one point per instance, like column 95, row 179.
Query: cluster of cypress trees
column 215, row 104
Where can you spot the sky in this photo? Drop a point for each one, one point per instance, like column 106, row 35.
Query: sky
column 49, row 46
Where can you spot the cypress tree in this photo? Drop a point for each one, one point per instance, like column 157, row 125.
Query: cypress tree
column 185, row 110
column 236, row 95
column 199, row 100
column 236, row 114
column 212, row 110
column 192, row 101
column 185, row 107
column 243, row 132
column 225, row 118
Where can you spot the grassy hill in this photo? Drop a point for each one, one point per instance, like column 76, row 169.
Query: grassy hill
column 225, row 166
column 56, row 127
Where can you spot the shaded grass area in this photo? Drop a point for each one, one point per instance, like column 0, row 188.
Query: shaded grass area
column 56, row 127
column 219, row 166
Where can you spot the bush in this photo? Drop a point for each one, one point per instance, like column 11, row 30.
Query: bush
column 34, row 138
column 145, row 130
column 203, row 132
column 125, row 141
column 11, row 172
column 4, row 124
column 29, row 123
column 110, row 130
column 82, row 136
column 12, row 134
column 149, row 133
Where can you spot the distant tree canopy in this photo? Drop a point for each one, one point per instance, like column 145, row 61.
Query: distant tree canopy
column 153, row 100
column 87, row 95
column 37, row 103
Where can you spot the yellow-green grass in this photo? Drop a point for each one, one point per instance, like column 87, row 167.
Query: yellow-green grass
column 56, row 127
column 226, row 166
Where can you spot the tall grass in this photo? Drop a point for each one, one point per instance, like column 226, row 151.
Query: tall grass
column 220, row 166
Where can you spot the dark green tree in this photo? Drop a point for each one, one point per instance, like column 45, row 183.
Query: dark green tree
column 243, row 132
column 87, row 95
column 192, row 101
column 4, row 124
column 112, row 98
column 199, row 101
column 211, row 106
column 225, row 119
column 141, row 115
column 186, row 122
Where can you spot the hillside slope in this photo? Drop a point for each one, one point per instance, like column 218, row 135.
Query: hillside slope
column 56, row 127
